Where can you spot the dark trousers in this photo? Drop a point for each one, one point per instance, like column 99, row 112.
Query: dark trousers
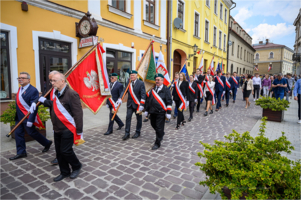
column 299, row 106
column 191, row 108
column 227, row 96
column 64, row 152
column 180, row 113
column 158, row 122
column 32, row 131
column 234, row 91
column 256, row 91
column 198, row 101
column 218, row 96
column 176, row 111
column 129, row 112
column 111, row 123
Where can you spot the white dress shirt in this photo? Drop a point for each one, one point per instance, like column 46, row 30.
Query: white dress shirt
column 256, row 81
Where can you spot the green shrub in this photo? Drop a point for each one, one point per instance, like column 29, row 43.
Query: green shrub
column 272, row 103
column 9, row 114
column 251, row 165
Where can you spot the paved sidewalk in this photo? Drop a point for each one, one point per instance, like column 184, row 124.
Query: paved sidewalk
column 116, row 169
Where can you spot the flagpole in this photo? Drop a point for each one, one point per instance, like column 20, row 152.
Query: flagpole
column 211, row 62
column 137, row 67
column 66, row 74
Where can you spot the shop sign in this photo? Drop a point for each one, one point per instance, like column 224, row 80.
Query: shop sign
column 88, row 41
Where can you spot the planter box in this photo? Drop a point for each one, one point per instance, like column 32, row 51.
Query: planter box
column 276, row 116
column 28, row 137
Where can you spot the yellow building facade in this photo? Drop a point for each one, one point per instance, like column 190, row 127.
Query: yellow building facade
column 205, row 24
column 43, row 38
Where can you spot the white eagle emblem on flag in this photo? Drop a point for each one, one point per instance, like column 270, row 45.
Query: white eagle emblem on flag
column 91, row 81
column 161, row 70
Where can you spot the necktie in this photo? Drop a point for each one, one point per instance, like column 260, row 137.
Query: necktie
column 111, row 85
column 58, row 94
column 157, row 89
column 133, row 84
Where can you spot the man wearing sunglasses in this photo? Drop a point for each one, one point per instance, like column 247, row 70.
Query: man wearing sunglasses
column 26, row 96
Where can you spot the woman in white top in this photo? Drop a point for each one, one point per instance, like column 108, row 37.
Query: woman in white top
column 208, row 95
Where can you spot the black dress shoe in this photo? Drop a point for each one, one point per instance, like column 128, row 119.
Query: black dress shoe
column 234, row 101
column 108, row 133
column 211, row 112
column 75, row 173
column 145, row 120
column 189, row 119
column 155, row 147
column 54, row 162
column 227, row 105
column 126, row 136
column 206, row 113
column 18, row 156
column 136, row 135
column 47, row 147
column 60, row 177
column 119, row 128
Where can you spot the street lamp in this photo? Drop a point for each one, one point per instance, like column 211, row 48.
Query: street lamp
column 195, row 48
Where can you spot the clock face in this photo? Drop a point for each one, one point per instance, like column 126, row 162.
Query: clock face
column 85, row 27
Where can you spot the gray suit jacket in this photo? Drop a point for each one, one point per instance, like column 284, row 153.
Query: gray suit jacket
column 139, row 91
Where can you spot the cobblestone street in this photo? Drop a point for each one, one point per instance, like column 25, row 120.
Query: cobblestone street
column 116, row 169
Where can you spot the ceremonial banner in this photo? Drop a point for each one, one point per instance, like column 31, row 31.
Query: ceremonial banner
column 161, row 69
column 90, row 80
column 185, row 71
column 269, row 68
column 211, row 67
column 147, row 68
column 201, row 66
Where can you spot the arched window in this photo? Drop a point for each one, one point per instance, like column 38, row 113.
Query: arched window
column 271, row 55
column 257, row 56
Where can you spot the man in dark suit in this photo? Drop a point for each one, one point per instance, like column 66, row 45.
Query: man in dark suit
column 135, row 104
column 234, row 85
column 25, row 102
column 159, row 105
column 220, row 83
column 199, row 80
column 116, row 90
column 227, row 88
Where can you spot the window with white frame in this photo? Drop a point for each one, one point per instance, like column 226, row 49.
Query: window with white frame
column 214, row 36
column 150, row 11
column 206, row 30
column 221, row 11
column 208, row 3
column 220, row 40
column 119, row 4
column 196, row 24
column 232, row 48
column 271, row 55
column 225, row 40
column 226, row 15
column 181, row 11
column 215, row 7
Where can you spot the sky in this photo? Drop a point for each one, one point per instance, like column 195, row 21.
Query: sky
column 268, row 19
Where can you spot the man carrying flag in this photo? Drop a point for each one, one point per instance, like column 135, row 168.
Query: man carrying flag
column 220, row 82
column 25, row 98
column 199, row 80
column 159, row 105
column 67, row 119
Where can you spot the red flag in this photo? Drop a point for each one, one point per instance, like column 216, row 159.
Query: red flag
column 198, row 52
column 89, row 80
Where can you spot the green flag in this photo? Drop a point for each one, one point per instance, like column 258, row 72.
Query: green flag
column 151, row 70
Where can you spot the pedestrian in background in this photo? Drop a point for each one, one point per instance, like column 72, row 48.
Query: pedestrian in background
column 290, row 84
column 256, row 85
column 247, row 88
column 279, row 86
column 266, row 85
column 297, row 97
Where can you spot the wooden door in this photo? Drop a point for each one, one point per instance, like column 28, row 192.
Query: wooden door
column 176, row 63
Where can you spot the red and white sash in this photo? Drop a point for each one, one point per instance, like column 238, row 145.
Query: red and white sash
column 183, row 104
column 65, row 117
column 228, row 84
column 220, row 81
column 135, row 99
column 191, row 89
column 207, row 78
column 160, row 101
column 200, row 86
column 113, row 103
column 52, row 94
column 24, row 107
column 212, row 93
column 234, row 79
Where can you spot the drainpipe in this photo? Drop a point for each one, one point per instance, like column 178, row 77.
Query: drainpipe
column 170, row 38
column 167, row 37
column 229, row 35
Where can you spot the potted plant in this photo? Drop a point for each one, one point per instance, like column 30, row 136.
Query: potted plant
column 253, row 168
column 8, row 117
column 273, row 108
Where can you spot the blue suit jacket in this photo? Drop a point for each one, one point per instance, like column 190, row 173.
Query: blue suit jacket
column 218, row 86
column 233, row 84
column 116, row 92
column 29, row 96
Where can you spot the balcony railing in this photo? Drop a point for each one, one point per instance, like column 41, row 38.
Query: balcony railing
column 297, row 57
